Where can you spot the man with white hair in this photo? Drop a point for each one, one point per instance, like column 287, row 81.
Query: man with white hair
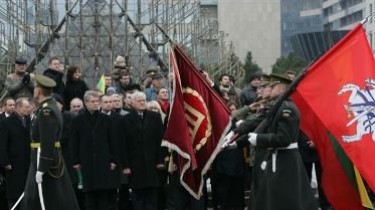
column 142, row 157
column 75, row 105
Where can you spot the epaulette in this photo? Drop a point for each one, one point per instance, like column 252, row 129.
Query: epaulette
column 287, row 112
column 45, row 105
column 46, row 112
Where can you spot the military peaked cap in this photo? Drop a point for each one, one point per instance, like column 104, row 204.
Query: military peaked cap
column 20, row 61
column 278, row 78
column 44, row 82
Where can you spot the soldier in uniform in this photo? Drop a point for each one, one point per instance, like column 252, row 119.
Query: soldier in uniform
column 47, row 177
column 18, row 83
column 279, row 179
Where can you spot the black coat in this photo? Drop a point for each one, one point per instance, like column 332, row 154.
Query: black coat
column 2, row 116
column 94, row 147
column 74, row 89
column 282, row 183
column 58, row 78
column 142, row 150
column 65, row 146
column 308, row 154
column 15, row 150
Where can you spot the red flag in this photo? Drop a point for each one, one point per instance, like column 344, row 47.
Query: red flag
column 197, row 123
column 338, row 189
column 337, row 95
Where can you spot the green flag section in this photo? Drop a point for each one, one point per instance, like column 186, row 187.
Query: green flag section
column 101, row 85
column 352, row 173
column 338, row 188
column 337, row 96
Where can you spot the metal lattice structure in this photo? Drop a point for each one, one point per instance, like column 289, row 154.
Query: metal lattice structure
column 92, row 33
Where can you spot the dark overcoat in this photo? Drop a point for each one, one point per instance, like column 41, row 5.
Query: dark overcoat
column 143, row 148
column 281, row 184
column 15, row 150
column 94, row 148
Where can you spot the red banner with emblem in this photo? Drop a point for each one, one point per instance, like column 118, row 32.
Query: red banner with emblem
column 197, row 123
column 339, row 91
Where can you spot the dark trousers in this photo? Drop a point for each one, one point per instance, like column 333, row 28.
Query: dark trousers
column 178, row 198
column 145, row 199
column 318, row 169
column 124, row 202
column 101, row 200
column 230, row 190
column 3, row 200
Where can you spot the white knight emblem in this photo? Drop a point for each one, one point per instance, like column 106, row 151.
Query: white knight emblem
column 362, row 108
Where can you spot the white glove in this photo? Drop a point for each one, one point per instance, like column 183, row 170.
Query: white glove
column 227, row 139
column 253, row 138
column 239, row 122
column 232, row 145
column 39, row 177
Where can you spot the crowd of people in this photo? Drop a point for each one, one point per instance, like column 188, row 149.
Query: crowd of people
column 111, row 142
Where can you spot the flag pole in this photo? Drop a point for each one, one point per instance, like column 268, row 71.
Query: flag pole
column 367, row 17
column 284, row 96
column 164, row 33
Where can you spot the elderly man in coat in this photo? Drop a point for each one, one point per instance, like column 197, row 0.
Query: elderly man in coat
column 142, row 157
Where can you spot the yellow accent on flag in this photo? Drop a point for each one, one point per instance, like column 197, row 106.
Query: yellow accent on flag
column 365, row 200
column 101, row 84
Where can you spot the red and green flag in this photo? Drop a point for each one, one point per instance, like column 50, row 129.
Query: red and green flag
column 336, row 99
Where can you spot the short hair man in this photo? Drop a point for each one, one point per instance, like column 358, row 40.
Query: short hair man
column 76, row 104
column 92, row 133
column 8, row 108
column 18, row 83
column 142, row 157
column 56, row 73
column 15, row 149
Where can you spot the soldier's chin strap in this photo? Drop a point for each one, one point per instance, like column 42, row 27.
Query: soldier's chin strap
column 40, row 189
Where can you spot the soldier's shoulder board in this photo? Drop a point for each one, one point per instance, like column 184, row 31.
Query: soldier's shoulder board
column 287, row 112
column 46, row 111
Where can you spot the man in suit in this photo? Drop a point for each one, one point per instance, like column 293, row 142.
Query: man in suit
column 15, row 149
column 47, row 175
column 94, row 153
column 9, row 105
column 142, row 152
column 8, row 108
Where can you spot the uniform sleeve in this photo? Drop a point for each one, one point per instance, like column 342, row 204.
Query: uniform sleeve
column 241, row 113
column 48, row 127
column 12, row 86
column 287, row 124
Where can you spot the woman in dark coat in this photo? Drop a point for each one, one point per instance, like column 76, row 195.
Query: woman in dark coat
column 75, row 87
